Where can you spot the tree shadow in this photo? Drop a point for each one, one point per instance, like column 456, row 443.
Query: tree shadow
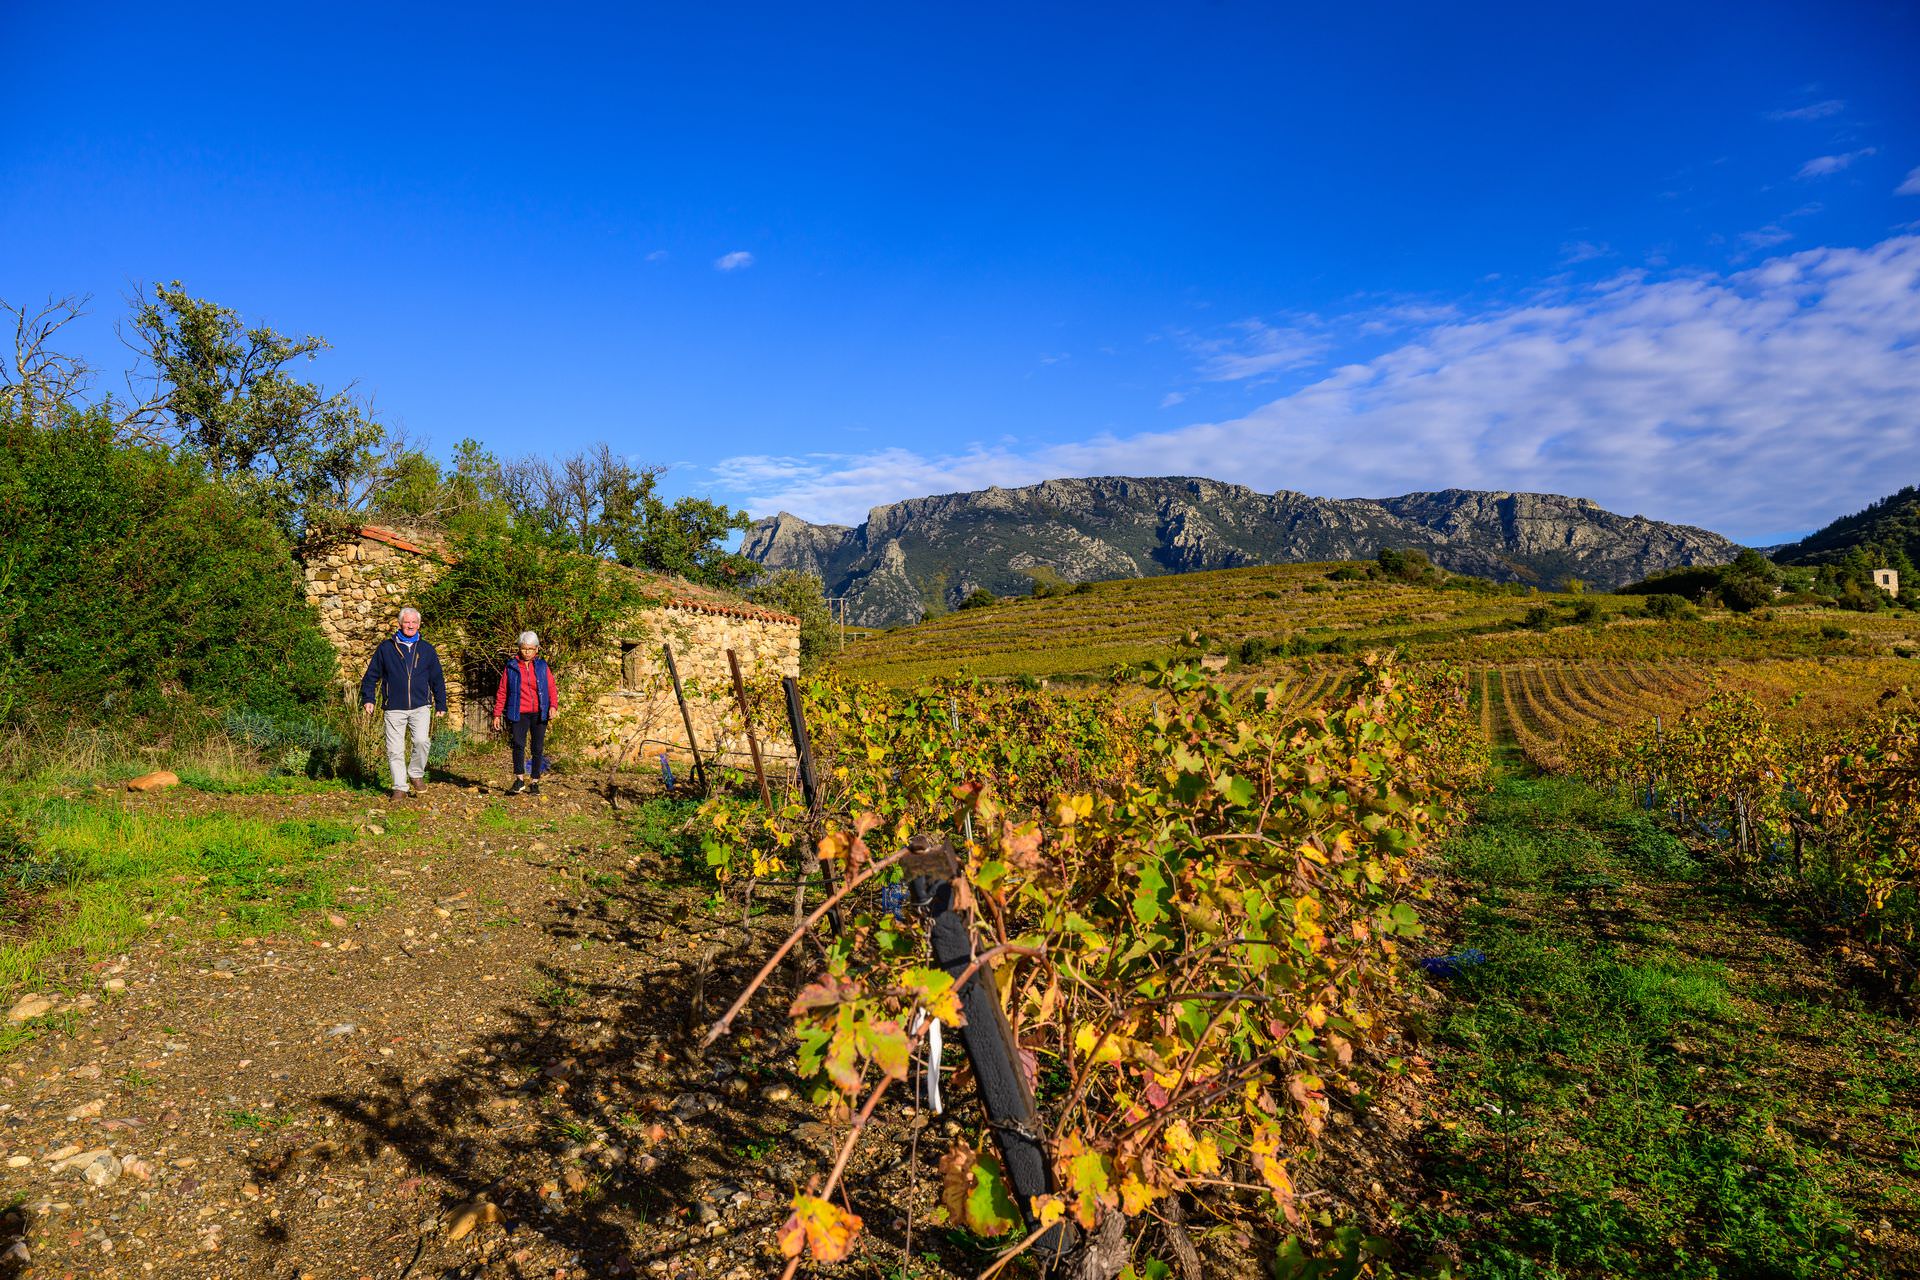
column 588, row 1115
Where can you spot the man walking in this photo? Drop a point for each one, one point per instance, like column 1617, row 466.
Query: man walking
column 416, row 690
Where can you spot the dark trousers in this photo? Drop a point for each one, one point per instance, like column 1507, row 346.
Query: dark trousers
column 518, row 730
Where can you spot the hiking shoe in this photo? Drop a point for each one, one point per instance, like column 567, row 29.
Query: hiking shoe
column 419, row 787
column 519, row 786
column 398, row 793
column 533, row 788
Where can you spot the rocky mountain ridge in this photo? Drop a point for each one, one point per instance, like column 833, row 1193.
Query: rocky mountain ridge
column 927, row 554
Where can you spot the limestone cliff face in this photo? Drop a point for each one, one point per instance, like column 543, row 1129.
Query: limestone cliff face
column 932, row 551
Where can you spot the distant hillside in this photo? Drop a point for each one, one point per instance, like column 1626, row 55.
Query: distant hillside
column 1890, row 526
column 926, row 554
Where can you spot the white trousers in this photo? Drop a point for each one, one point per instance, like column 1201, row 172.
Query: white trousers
column 420, row 720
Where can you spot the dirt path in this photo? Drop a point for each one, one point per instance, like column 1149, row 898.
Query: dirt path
column 501, row 1021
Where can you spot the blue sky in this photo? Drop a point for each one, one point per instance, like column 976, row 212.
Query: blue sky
column 823, row 257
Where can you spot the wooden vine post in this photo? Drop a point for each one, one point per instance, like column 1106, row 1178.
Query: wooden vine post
column 686, row 718
column 810, row 788
column 989, row 1042
column 746, row 718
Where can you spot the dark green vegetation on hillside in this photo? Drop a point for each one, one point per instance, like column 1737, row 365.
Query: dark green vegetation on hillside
column 1885, row 535
column 1890, row 526
column 1648, row 1077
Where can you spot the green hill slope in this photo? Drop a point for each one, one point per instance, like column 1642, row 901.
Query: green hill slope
column 1291, row 615
column 1888, row 531
column 1297, row 609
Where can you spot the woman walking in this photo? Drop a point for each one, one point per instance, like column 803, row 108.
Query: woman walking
column 526, row 701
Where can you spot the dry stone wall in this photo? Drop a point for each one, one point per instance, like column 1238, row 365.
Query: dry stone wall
column 636, row 716
column 360, row 586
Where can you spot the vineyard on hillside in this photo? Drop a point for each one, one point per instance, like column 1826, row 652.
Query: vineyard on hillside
column 1264, row 620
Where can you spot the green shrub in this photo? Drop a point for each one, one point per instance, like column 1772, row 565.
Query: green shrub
column 979, row 598
column 1668, row 607
column 140, row 590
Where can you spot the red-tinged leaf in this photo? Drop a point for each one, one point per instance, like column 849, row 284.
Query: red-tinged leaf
column 885, row 1042
column 1021, row 845
column 974, row 1193
column 822, row 993
column 820, row 1227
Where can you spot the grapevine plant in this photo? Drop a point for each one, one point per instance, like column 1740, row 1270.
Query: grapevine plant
column 1838, row 805
column 1190, row 904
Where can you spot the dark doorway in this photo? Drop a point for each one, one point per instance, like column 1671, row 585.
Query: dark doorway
column 481, row 672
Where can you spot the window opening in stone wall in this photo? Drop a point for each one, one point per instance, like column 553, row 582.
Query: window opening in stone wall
column 633, row 675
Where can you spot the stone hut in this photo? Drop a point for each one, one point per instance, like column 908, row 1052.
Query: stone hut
column 359, row 584
column 1888, row 580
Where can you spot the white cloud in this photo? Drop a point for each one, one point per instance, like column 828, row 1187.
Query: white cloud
column 1812, row 111
column 1582, row 251
column 1911, row 187
column 1772, row 398
column 1172, row 398
column 1766, row 237
column 738, row 260
column 1822, row 166
column 1258, row 348
column 658, row 255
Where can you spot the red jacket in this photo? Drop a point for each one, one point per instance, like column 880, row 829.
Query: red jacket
column 529, row 689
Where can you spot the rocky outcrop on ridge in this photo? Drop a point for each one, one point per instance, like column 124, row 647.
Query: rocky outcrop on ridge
column 927, row 554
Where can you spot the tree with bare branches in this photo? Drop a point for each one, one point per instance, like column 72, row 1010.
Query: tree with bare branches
column 37, row 382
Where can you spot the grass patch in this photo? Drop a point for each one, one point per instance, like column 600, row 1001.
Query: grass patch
column 257, row 1121
column 659, row 824
column 253, row 783
column 1622, row 1107
column 89, row 876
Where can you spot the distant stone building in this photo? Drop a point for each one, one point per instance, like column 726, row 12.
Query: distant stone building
column 1888, row 580
column 359, row 585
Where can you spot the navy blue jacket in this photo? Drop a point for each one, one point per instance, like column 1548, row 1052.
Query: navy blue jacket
column 411, row 679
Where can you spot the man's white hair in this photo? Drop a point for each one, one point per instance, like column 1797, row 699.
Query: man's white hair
column 529, row 640
column 409, row 610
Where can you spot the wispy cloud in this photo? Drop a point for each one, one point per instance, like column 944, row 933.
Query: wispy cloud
column 1254, row 348
column 1173, row 398
column 1911, row 187
column 1582, row 251
column 1689, row 397
column 1812, row 111
column 738, row 260
column 1766, row 237
column 1822, row 166
column 658, row 255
